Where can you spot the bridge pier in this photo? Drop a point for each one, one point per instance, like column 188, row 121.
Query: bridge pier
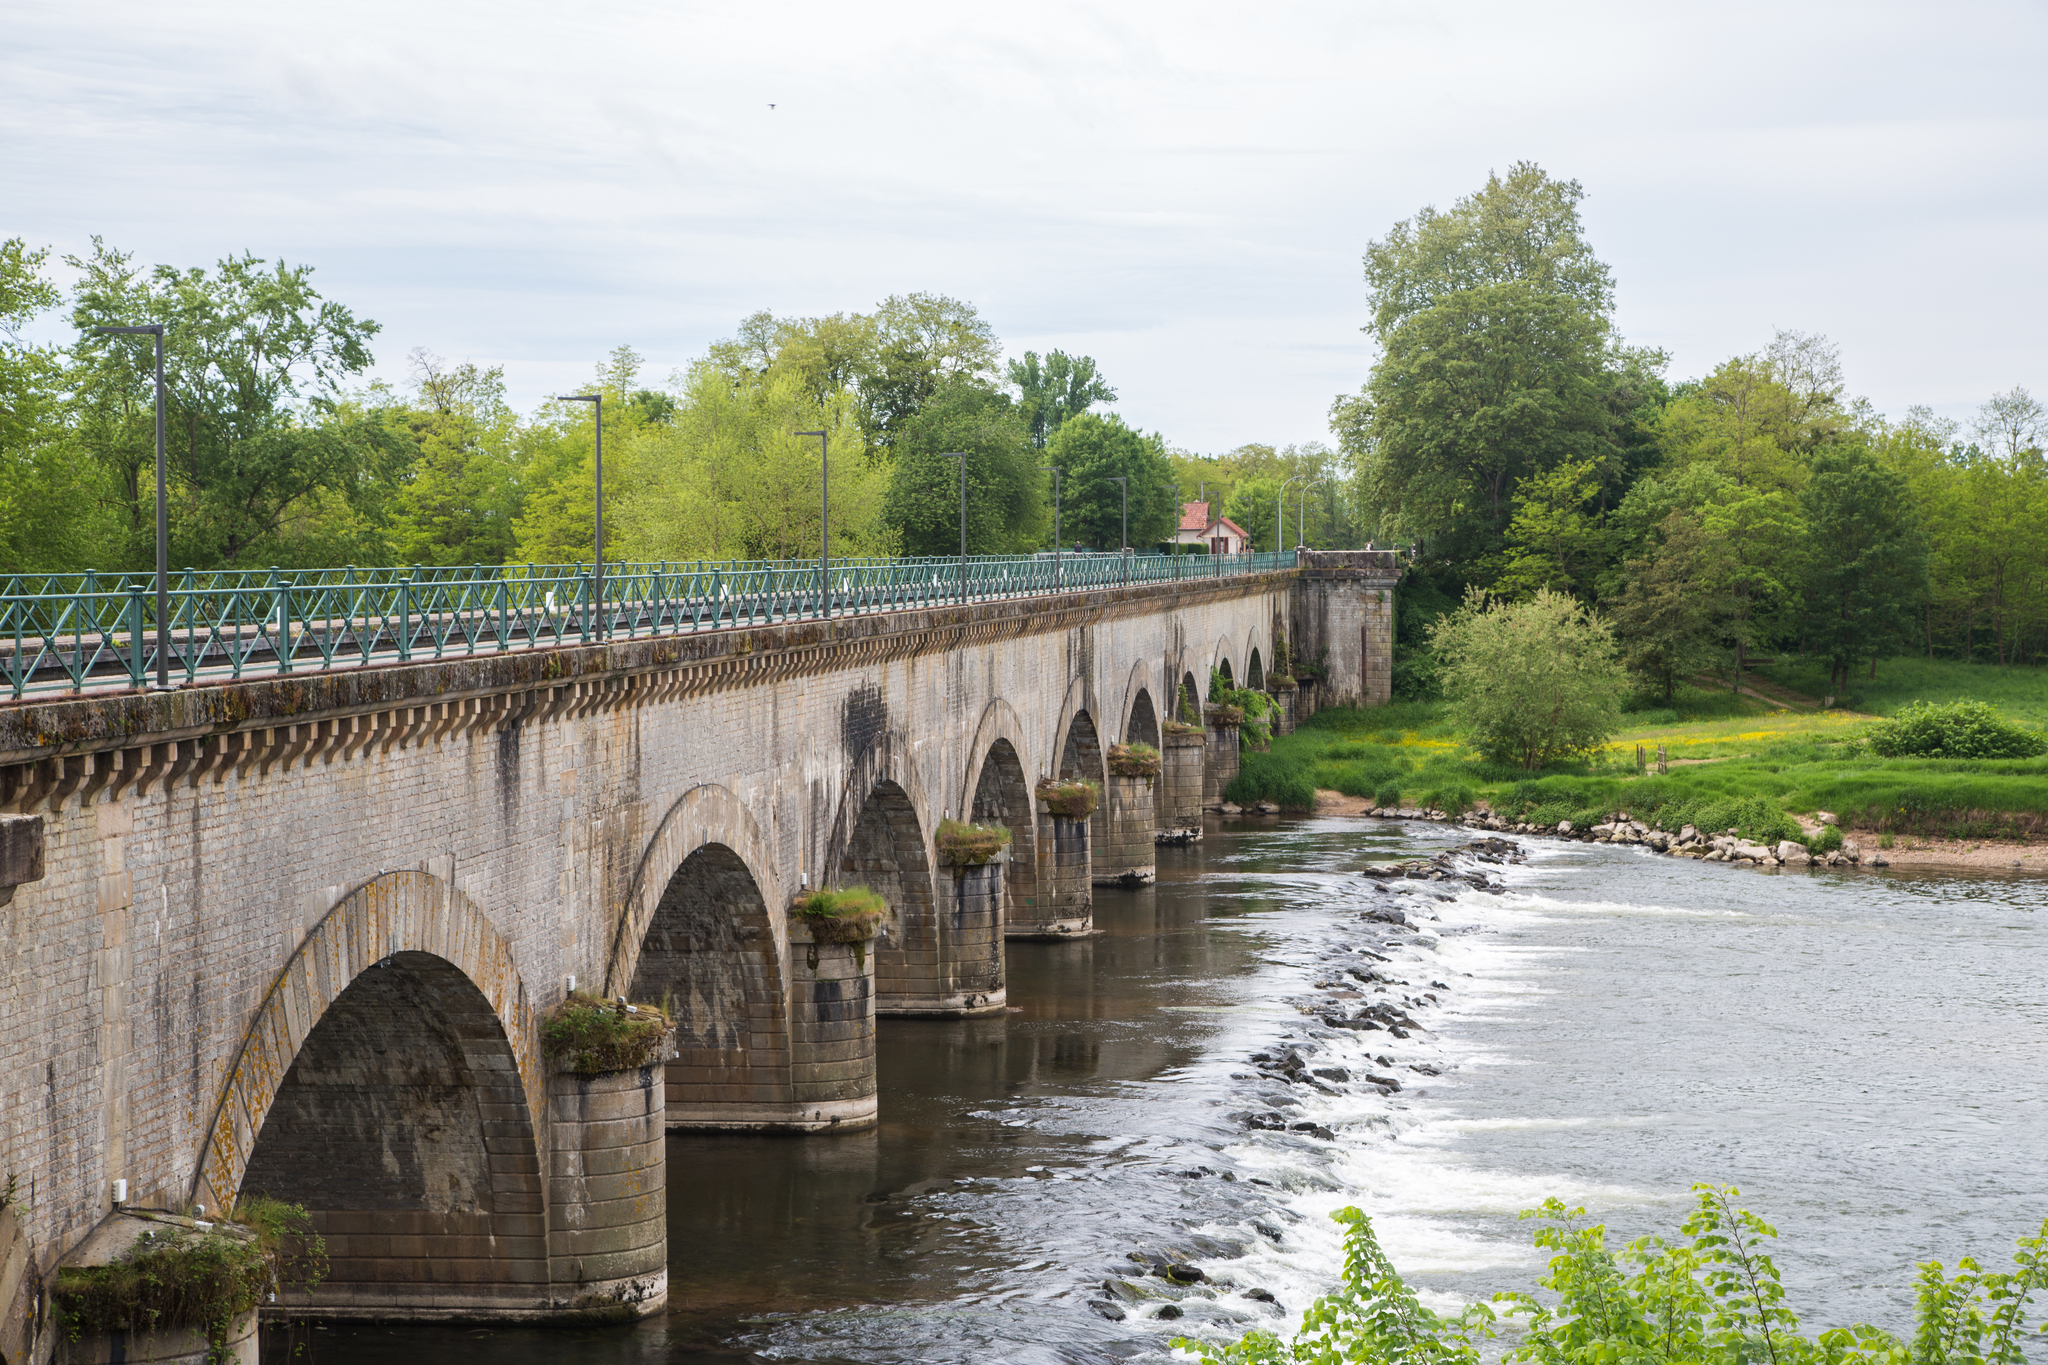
column 1128, row 858
column 1183, row 759
column 1066, row 888
column 833, row 1028
column 1220, row 767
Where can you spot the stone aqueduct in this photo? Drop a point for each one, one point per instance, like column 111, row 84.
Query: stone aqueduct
column 296, row 936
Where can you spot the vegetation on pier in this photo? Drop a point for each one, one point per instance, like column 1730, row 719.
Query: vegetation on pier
column 592, row 1035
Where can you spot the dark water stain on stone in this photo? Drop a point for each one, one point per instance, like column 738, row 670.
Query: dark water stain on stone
column 863, row 715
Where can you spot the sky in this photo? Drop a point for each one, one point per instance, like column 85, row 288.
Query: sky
column 1182, row 190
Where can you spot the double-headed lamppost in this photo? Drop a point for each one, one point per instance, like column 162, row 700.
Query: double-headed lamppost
column 596, row 401
column 1280, row 514
column 1301, row 512
column 824, row 520
column 962, row 458
column 163, row 513
column 1055, row 472
column 1124, row 538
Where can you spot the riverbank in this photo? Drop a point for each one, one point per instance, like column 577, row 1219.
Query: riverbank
column 1982, row 855
column 1768, row 774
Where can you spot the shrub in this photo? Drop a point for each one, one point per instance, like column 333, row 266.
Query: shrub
column 1281, row 778
column 1956, row 729
column 1388, row 797
column 1453, row 799
column 1531, row 682
column 850, row 914
column 1827, row 841
column 1180, row 727
column 1710, row 1297
column 1075, row 798
column 1134, row 760
column 1221, row 714
column 593, row 1035
column 199, row 1278
column 1253, row 709
column 964, row 845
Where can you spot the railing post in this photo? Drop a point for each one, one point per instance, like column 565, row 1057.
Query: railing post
column 583, row 601
column 404, row 620
column 282, row 642
column 136, row 670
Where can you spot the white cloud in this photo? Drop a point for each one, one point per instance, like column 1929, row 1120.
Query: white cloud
column 1182, row 190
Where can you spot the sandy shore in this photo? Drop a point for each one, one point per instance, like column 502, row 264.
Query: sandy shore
column 1980, row 855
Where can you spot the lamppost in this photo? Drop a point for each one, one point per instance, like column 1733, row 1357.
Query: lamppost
column 1123, row 546
column 824, row 520
column 1301, row 512
column 1055, row 472
column 596, row 401
column 1280, row 513
column 962, row 458
column 163, row 514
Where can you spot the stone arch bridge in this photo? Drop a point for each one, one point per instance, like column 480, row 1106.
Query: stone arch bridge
column 297, row 936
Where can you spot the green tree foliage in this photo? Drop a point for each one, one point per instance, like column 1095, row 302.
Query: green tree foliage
column 1052, row 390
column 1867, row 561
column 1090, row 450
column 920, row 342
column 1712, row 1297
column 1556, row 539
column 1668, row 617
column 1532, row 682
column 252, row 358
column 459, row 501
column 51, row 493
column 1006, row 505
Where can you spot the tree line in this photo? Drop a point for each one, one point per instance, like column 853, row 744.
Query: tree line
column 281, row 451
column 1520, row 444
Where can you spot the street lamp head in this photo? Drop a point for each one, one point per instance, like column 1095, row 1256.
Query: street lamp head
column 579, row 397
column 152, row 329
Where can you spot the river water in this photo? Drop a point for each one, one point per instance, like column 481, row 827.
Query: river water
column 1865, row 1054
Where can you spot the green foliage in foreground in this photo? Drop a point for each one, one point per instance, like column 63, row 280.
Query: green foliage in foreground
column 1712, row 1297
column 1956, row 729
column 594, row 1036
column 1530, row 682
column 180, row 1277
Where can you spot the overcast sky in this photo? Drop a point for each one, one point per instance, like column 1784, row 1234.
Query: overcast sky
column 1182, row 190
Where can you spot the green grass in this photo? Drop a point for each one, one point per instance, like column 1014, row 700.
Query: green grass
column 2020, row 692
column 1762, row 767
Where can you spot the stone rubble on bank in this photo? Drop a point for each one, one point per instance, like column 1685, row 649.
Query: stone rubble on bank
column 1688, row 842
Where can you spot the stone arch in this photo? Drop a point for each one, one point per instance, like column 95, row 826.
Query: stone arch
column 998, row 791
column 391, row 1084
column 703, row 815
column 392, row 913
column 1139, row 715
column 1254, row 671
column 1082, row 754
column 1193, row 687
column 1220, row 663
column 711, row 955
column 882, row 839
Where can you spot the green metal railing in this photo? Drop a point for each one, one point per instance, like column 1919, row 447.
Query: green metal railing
column 95, row 632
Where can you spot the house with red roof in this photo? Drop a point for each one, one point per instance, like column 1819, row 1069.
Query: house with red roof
column 1200, row 526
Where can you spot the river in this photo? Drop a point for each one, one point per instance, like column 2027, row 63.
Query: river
column 1864, row 1053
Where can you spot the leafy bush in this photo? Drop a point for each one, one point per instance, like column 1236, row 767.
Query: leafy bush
column 1827, row 841
column 964, row 845
column 1281, row 778
column 1254, row 709
column 1453, row 799
column 1713, row 1297
column 1956, row 729
column 1074, row 798
column 199, row 1278
column 594, row 1035
column 1531, row 682
column 1388, row 797
column 1134, row 760
column 850, row 914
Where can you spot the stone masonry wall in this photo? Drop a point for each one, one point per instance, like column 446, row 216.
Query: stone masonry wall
column 157, row 983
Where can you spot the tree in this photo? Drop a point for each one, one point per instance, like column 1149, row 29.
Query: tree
column 1253, row 504
column 51, row 494
column 2010, row 424
column 1006, row 506
column 1867, row 562
column 1532, row 682
column 1062, row 387
column 1482, row 390
column 1742, row 422
column 1089, row 450
column 460, row 501
column 920, row 341
column 1554, row 540
column 1667, row 616
column 254, row 435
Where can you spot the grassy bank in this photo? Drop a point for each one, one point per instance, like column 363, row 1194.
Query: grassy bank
column 1736, row 763
column 2020, row 692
